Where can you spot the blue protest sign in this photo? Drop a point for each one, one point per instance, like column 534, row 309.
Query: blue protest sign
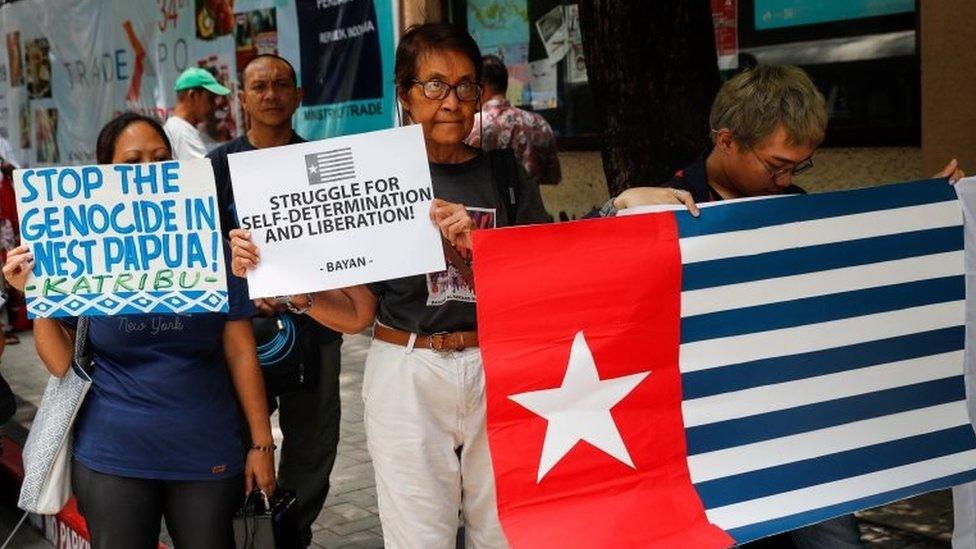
column 122, row 239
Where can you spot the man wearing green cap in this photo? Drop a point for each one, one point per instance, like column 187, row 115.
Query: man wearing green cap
column 196, row 93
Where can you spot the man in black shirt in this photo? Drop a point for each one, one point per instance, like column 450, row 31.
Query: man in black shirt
column 309, row 417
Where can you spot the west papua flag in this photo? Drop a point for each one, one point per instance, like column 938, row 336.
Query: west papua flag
column 658, row 380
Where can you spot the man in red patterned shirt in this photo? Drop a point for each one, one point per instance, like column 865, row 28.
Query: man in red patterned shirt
column 500, row 125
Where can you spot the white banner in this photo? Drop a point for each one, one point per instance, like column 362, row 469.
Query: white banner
column 337, row 212
column 68, row 66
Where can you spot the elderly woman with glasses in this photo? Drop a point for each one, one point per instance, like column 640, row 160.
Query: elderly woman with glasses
column 424, row 387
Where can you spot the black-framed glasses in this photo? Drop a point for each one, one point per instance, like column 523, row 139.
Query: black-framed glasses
column 775, row 174
column 438, row 90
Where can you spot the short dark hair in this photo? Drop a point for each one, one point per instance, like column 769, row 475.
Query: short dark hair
column 421, row 39
column 494, row 73
column 105, row 145
column 291, row 68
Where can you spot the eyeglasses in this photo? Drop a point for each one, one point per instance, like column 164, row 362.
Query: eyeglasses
column 775, row 174
column 438, row 90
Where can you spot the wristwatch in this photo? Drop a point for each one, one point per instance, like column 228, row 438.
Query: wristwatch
column 300, row 310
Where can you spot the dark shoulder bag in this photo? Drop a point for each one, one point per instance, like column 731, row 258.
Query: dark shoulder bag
column 287, row 351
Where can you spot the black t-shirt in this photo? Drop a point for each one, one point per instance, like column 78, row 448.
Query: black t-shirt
column 694, row 179
column 444, row 302
column 228, row 211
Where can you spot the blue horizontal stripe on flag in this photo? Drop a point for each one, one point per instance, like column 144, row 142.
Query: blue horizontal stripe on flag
column 836, row 255
column 753, row 214
column 791, row 522
column 810, row 417
column 838, row 466
column 812, row 310
column 767, row 371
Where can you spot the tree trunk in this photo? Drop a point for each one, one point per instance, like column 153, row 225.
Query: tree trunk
column 653, row 68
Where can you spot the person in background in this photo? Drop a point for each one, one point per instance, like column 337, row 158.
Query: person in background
column 196, row 94
column 309, row 416
column 9, row 231
column 158, row 435
column 500, row 125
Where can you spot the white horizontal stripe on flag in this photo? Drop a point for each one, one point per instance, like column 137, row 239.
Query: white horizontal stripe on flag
column 820, row 231
column 846, row 279
column 722, row 351
column 790, row 394
column 839, row 491
column 822, row 442
column 657, row 208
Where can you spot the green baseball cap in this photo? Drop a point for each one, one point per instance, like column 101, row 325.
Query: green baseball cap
column 195, row 77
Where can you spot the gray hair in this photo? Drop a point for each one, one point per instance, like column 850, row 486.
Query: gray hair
column 753, row 103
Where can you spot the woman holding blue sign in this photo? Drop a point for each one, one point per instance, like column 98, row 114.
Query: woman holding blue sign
column 424, row 387
column 158, row 436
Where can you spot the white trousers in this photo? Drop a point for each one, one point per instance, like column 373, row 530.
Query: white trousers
column 425, row 430
column 964, row 514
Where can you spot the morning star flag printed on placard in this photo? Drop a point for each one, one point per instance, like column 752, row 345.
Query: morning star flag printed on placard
column 656, row 379
column 122, row 239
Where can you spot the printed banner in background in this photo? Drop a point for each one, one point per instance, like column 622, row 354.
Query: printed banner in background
column 62, row 76
column 122, row 239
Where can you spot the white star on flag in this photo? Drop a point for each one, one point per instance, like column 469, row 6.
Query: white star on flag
column 311, row 169
column 580, row 409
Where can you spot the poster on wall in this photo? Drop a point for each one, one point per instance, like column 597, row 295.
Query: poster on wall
column 64, row 81
column 575, row 58
column 14, row 62
column 554, row 33
column 256, row 33
column 345, row 75
column 725, row 19
column 501, row 28
column 214, row 18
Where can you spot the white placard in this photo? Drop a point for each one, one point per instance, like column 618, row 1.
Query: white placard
column 337, row 212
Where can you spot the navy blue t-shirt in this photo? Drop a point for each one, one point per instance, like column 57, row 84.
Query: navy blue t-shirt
column 161, row 405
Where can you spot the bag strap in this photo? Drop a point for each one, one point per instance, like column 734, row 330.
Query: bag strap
column 82, row 354
column 14, row 532
column 504, row 174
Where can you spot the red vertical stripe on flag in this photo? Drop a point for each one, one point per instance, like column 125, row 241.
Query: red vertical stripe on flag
column 617, row 282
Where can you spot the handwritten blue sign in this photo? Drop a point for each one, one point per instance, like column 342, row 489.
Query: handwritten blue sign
column 122, row 239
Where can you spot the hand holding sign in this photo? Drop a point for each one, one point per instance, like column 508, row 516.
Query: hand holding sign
column 454, row 222
column 452, row 219
column 18, row 267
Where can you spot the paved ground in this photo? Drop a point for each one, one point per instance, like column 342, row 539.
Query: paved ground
column 350, row 520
